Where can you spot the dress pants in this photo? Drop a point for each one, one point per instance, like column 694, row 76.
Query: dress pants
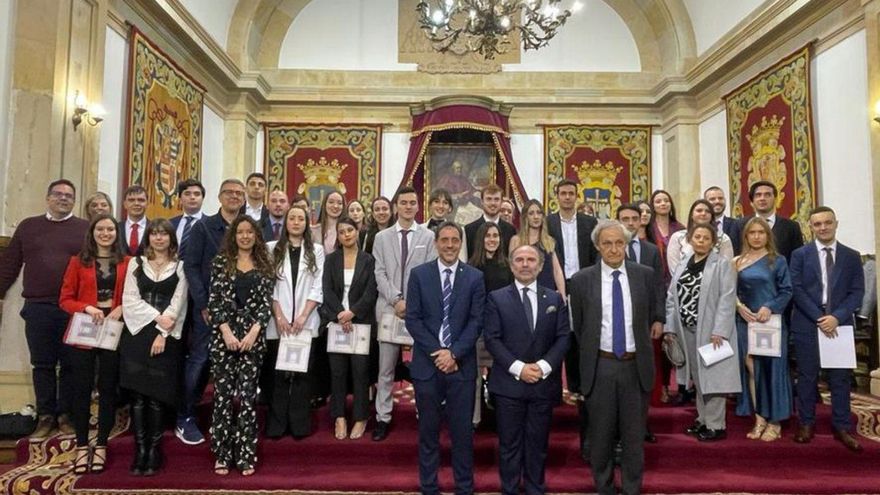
column 711, row 408
column 196, row 361
column 616, row 410
column 83, row 367
column 234, row 436
column 806, row 347
column 341, row 367
column 388, row 354
column 523, row 432
column 44, row 327
column 455, row 398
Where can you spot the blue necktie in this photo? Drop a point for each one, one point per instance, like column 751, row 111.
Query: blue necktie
column 618, row 333
column 527, row 305
column 445, row 334
column 187, row 227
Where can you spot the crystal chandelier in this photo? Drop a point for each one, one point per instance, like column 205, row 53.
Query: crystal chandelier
column 486, row 26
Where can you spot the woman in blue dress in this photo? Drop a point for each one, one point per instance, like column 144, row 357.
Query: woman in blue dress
column 763, row 289
column 533, row 230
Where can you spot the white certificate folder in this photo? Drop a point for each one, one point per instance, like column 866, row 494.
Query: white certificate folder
column 293, row 352
column 355, row 342
column 83, row 331
column 765, row 339
column 837, row 352
column 393, row 330
column 710, row 355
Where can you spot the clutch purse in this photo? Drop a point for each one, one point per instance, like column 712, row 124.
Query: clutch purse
column 673, row 349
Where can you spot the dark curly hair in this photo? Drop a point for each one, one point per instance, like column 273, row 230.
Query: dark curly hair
column 259, row 254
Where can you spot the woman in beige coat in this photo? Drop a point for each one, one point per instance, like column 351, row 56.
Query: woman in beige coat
column 700, row 308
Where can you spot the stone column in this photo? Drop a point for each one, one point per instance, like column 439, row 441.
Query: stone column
column 872, row 32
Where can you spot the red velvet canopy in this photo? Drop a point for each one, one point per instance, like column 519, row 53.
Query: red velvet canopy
column 479, row 116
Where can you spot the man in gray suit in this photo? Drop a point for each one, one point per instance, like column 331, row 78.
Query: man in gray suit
column 397, row 250
column 613, row 306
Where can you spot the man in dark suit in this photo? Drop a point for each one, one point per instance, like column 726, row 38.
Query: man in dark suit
column 613, row 307
column 255, row 206
column 723, row 224
column 491, row 199
column 574, row 248
column 828, row 284
column 204, row 243
column 274, row 225
column 191, row 195
column 645, row 253
column 786, row 233
column 527, row 333
column 134, row 224
column 444, row 315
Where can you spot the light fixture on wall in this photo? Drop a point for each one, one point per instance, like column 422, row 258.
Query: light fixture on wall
column 83, row 112
column 486, row 26
column 877, row 112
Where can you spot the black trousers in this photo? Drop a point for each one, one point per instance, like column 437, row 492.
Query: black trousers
column 44, row 326
column 84, row 364
column 341, row 367
column 523, row 433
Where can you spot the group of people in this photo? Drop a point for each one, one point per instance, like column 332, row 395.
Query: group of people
column 561, row 292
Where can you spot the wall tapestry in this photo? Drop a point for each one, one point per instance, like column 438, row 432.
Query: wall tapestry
column 164, row 135
column 770, row 137
column 611, row 164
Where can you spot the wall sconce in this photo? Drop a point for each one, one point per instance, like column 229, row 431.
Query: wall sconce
column 82, row 112
column 877, row 112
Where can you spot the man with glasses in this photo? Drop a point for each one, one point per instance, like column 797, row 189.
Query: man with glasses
column 203, row 245
column 44, row 245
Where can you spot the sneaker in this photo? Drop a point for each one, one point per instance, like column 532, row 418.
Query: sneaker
column 45, row 425
column 65, row 427
column 188, row 432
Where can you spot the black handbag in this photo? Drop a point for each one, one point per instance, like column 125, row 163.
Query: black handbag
column 16, row 425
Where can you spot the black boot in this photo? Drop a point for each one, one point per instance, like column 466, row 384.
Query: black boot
column 154, row 438
column 138, row 428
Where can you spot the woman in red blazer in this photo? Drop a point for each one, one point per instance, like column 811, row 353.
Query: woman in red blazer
column 93, row 284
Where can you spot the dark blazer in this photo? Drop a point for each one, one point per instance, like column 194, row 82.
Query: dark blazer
column 728, row 226
column 268, row 235
column 205, row 241
column 586, row 312
column 847, row 287
column 786, row 233
column 362, row 294
column 470, row 230
column 424, row 314
column 587, row 254
column 509, row 339
column 649, row 255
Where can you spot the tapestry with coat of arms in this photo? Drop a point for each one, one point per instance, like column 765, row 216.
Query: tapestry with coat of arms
column 164, row 136
column 610, row 164
column 315, row 159
column 770, row 137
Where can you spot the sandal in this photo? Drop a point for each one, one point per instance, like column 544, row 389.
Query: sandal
column 82, row 460
column 758, row 430
column 99, row 458
column 220, row 468
column 341, row 429
column 357, row 431
column 772, row 433
column 248, row 471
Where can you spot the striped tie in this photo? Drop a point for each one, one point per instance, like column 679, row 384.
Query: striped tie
column 184, row 236
column 445, row 334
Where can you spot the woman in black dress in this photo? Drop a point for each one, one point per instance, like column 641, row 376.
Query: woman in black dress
column 239, row 304
column 154, row 308
column 349, row 298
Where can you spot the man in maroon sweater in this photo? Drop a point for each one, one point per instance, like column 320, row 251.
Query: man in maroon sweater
column 44, row 245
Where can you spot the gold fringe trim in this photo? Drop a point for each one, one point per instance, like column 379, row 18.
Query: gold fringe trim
column 459, row 125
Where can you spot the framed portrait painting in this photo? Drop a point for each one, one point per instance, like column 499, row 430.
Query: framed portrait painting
column 463, row 170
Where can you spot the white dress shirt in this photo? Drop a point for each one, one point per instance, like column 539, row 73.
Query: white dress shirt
column 142, row 227
column 254, row 212
column 822, row 256
column 517, row 366
column 53, row 219
column 442, row 267
column 196, row 217
column 606, row 340
column 571, row 263
column 771, row 219
column 491, row 220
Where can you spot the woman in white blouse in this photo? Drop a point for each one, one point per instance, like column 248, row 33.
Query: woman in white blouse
column 154, row 308
column 299, row 265
column 679, row 249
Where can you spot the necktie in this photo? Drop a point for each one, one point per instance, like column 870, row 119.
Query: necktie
column 276, row 230
column 632, row 250
column 829, row 269
column 527, row 305
column 618, row 334
column 445, row 334
column 184, row 236
column 404, row 253
column 133, row 239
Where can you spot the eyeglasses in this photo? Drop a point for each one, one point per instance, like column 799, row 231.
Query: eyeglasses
column 62, row 195
column 230, row 192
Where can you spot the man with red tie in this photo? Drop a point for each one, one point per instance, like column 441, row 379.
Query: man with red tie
column 135, row 204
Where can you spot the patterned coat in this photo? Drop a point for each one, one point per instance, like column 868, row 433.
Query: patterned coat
column 222, row 307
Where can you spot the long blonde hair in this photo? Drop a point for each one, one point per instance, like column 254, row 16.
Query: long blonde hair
column 544, row 238
column 772, row 253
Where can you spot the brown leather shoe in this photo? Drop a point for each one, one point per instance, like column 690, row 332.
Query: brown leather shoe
column 847, row 440
column 65, row 427
column 45, row 425
column 804, row 434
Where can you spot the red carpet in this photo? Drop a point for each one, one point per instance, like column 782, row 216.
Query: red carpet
column 677, row 464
